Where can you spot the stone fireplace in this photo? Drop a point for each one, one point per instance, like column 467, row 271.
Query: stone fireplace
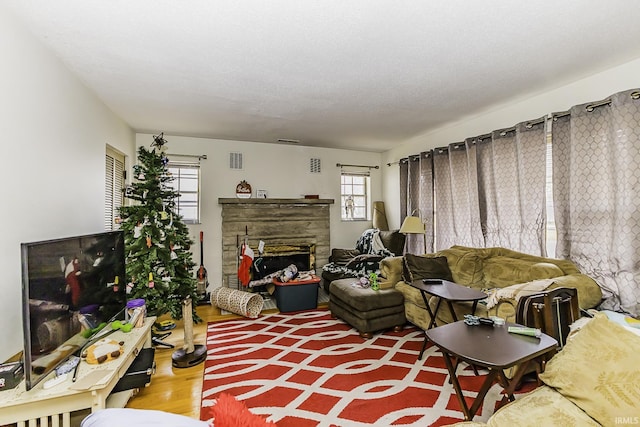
column 294, row 229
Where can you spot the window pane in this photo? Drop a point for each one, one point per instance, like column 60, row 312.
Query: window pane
column 188, row 198
column 188, row 184
column 186, row 181
column 359, row 189
column 354, row 198
column 359, row 213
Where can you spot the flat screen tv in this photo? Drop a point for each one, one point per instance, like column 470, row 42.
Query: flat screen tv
column 69, row 287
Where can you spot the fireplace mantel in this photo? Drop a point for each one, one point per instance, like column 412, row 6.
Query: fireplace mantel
column 255, row 201
column 276, row 222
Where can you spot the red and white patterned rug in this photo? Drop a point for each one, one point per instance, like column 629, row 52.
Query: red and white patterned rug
column 307, row 369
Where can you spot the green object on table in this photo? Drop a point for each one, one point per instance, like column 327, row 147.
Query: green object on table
column 522, row 330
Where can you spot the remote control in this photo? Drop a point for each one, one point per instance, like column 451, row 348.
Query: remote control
column 68, row 366
column 432, row 281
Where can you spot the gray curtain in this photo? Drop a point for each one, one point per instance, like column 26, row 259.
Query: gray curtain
column 426, row 197
column 404, row 179
column 414, row 243
column 596, row 153
column 457, row 212
column 511, row 183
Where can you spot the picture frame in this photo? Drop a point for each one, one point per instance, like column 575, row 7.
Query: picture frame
column 261, row 194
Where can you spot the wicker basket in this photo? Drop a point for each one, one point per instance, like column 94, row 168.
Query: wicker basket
column 246, row 304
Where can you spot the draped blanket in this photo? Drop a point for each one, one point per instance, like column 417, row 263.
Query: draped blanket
column 372, row 251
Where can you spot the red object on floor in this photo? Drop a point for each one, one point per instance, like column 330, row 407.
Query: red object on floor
column 228, row 412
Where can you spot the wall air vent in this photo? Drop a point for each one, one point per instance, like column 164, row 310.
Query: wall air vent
column 235, row 161
column 314, row 165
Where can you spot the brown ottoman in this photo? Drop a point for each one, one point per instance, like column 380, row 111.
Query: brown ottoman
column 365, row 309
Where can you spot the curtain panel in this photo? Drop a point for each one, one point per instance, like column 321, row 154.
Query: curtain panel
column 456, row 196
column 511, row 183
column 426, row 198
column 596, row 153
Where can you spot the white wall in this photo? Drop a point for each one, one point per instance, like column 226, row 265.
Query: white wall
column 281, row 170
column 593, row 88
column 54, row 133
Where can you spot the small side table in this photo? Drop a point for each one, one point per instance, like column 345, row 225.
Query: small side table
column 449, row 292
column 493, row 348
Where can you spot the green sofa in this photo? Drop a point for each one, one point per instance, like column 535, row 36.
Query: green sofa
column 498, row 271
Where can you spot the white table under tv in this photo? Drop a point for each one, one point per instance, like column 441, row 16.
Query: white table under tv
column 92, row 389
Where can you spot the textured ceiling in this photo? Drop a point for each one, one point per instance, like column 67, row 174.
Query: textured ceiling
column 358, row 74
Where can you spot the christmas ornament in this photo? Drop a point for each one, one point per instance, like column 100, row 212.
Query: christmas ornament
column 148, row 241
column 129, row 287
column 159, row 141
column 137, row 231
column 164, row 215
column 246, row 259
column 151, row 284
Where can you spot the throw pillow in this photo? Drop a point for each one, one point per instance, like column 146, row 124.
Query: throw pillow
column 598, row 371
column 343, row 256
column 419, row 267
column 228, row 412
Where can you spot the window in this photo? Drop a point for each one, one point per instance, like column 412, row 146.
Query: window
column 354, row 196
column 114, row 184
column 186, row 182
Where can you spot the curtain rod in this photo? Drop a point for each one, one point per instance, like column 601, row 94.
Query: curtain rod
column 593, row 106
column 196, row 156
column 357, row 166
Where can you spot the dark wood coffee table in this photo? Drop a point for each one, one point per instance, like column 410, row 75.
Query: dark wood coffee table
column 493, row 348
column 449, row 292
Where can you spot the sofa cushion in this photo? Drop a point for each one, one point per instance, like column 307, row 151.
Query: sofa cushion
column 390, row 271
column 501, row 271
column 544, row 270
column 598, row 370
column 343, row 256
column 419, row 267
column 393, row 240
column 541, row 407
column 465, row 265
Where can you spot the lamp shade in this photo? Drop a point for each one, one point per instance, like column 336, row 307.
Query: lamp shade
column 412, row 225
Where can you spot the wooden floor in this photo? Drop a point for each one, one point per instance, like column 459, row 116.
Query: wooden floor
column 178, row 390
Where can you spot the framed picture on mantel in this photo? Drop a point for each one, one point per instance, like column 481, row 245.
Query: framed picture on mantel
column 261, row 194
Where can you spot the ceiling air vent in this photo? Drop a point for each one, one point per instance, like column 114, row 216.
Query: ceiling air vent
column 314, row 166
column 235, row 161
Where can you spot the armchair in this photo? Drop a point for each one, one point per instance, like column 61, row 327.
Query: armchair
column 370, row 249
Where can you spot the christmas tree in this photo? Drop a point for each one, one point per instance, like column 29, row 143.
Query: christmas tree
column 159, row 263
column 157, row 243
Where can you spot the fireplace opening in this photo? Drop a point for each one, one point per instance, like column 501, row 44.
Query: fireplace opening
column 277, row 257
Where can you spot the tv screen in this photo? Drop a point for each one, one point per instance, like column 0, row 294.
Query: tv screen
column 69, row 287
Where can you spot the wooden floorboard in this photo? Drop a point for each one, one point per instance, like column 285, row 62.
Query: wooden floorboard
column 178, row 390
